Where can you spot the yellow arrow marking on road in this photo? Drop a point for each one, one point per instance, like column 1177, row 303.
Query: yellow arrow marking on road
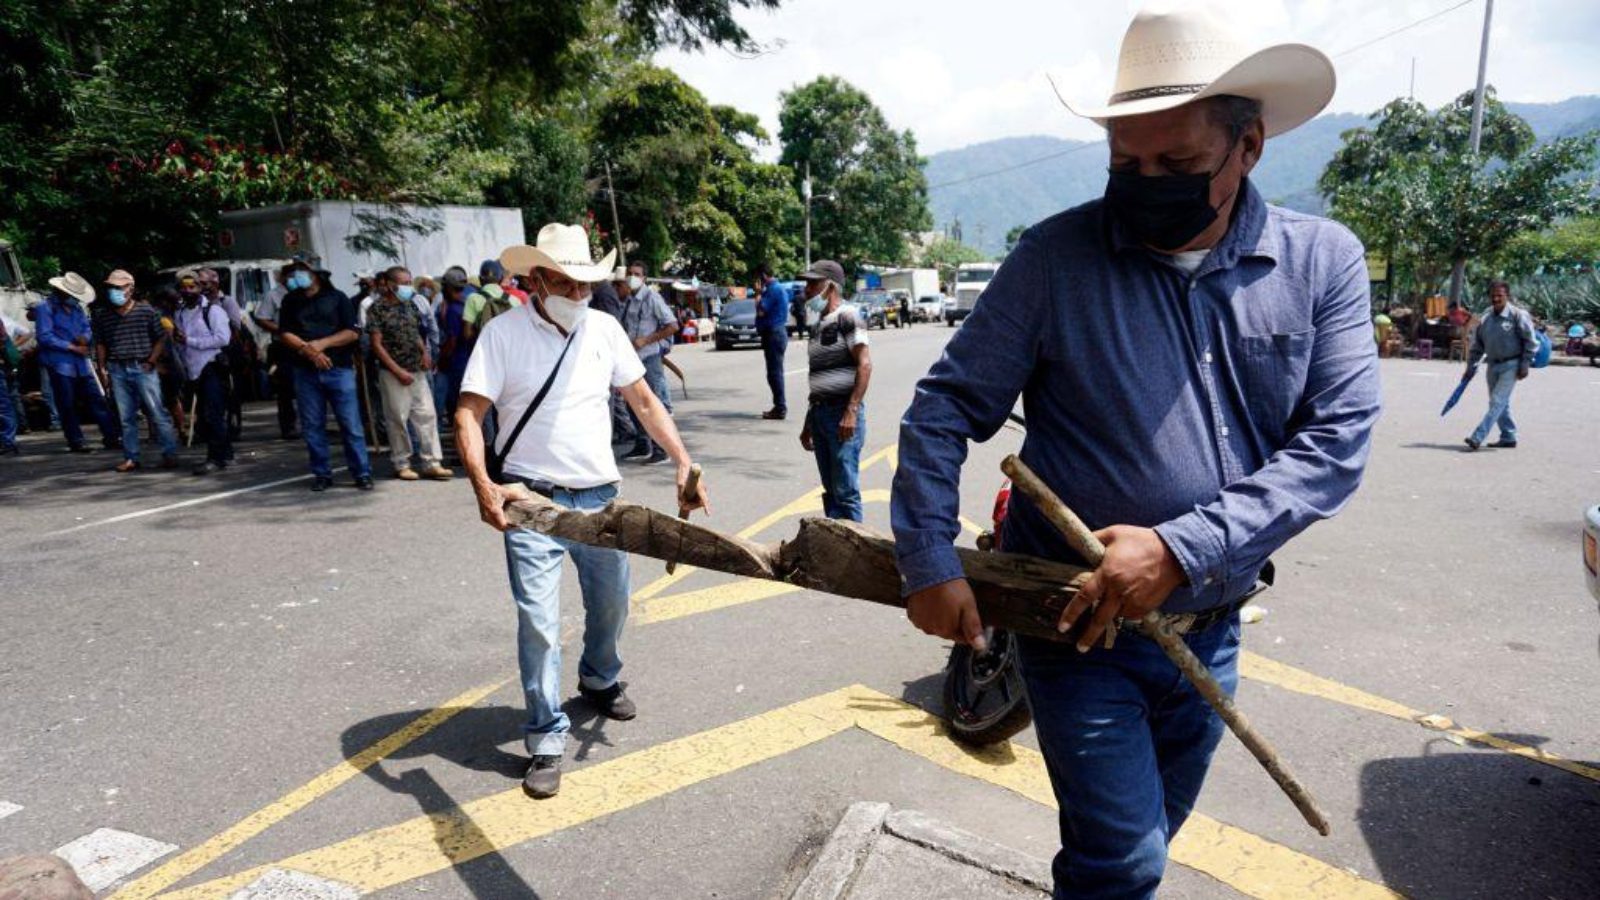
column 427, row 844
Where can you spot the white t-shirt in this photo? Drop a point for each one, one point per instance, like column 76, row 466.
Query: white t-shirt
column 568, row 440
column 1189, row 260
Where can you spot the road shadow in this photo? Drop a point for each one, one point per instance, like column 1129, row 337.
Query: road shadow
column 1464, row 823
column 1429, row 445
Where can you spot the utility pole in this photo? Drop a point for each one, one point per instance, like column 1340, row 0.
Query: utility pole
column 616, row 223
column 805, row 190
column 1476, row 138
column 1412, row 94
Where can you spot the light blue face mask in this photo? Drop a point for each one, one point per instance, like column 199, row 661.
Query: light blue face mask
column 405, row 292
column 117, row 296
column 299, row 281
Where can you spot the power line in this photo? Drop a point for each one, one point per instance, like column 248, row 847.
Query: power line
column 1403, row 28
column 1012, row 168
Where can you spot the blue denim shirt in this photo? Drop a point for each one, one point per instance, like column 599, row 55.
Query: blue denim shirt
column 57, row 322
column 772, row 313
column 1228, row 411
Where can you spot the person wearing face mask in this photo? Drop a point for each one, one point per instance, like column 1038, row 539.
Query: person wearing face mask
column 1201, row 385
column 454, row 346
column 394, row 324
column 240, row 353
column 650, row 325
column 318, row 323
column 549, row 367
column 64, row 336
column 130, row 343
column 279, row 357
column 203, row 332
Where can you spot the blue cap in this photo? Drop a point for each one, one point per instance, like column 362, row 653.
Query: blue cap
column 490, row 272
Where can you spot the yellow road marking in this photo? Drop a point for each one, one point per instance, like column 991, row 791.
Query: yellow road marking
column 193, row 860
column 1245, row 862
column 427, row 844
column 689, row 603
column 1258, row 668
column 423, row 845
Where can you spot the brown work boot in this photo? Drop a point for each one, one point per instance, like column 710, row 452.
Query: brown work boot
column 128, row 465
column 406, row 474
column 611, row 702
column 437, row 472
column 543, row 780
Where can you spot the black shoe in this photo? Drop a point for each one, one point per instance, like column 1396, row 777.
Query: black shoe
column 654, row 459
column 1473, row 444
column 291, row 436
column 364, row 483
column 776, row 415
column 81, row 448
column 321, row 483
column 543, row 780
column 209, row 466
column 1504, row 444
column 10, row 450
column 637, row 452
column 612, row 702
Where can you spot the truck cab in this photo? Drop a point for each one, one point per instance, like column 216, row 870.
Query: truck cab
column 15, row 298
column 971, row 280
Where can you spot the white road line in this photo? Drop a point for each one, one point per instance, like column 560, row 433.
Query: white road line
column 1423, row 374
column 105, row 856
column 283, row 884
column 209, row 498
column 8, row 809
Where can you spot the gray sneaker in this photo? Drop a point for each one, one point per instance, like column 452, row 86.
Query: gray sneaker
column 611, row 702
column 543, row 780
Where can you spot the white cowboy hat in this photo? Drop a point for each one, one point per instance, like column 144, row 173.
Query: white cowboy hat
column 1171, row 57
column 73, row 285
column 564, row 248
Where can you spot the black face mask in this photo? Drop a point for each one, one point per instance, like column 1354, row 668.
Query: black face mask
column 1163, row 211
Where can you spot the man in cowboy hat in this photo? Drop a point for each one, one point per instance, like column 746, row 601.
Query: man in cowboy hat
column 555, row 441
column 64, row 335
column 1201, row 384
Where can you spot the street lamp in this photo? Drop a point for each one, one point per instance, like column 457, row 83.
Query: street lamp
column 805, row 192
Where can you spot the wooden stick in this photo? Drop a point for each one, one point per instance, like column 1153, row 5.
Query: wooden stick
column 1159, row 629
column 691, row 488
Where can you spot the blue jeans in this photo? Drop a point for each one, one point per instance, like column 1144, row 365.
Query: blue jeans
column 1127, row 741
column 839, row 463
column 1502, row 378
column 314, row 392
column 67, row 390
column 10, row 411
column 655, row 375
column 533, row 562
column 135, row 388
column 773, row 345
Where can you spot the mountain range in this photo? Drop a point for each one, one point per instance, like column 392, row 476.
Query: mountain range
column 1024, row 191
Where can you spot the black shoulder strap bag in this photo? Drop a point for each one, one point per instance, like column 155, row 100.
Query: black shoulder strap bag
column 497, row 458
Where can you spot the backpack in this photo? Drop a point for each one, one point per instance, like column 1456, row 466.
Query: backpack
column 1541, row 355
column 494, row 305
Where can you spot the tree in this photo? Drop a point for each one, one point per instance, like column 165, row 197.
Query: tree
column 1410, row 187
column 1013, row 236
column 947, row 253
column 879, row 192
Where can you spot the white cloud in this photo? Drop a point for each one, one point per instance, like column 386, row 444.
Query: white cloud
column 957, row 72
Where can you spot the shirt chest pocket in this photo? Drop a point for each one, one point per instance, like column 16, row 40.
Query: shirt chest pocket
column 1272, row 377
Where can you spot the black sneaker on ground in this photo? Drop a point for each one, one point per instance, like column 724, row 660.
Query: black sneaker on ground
column 637, row 452
column 1473, row 444
column 364, row 483
column 612, row 702
column 1504, row 444
column 654, row 459
column 321, row 483
column 81, row 448
column 209, row 466
column 543, row 780
column 777, row 415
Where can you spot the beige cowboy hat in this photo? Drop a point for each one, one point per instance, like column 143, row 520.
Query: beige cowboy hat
column 120, row 278
column 1177, row 55
column 73, row 285
column 564, row 248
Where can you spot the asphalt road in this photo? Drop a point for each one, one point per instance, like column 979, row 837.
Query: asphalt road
column 321, row 683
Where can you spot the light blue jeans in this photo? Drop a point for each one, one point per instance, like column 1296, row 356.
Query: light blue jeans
column 655, row 375
column 533, row 562
column 838, row 462
column 135, row 388
column 1502, row 380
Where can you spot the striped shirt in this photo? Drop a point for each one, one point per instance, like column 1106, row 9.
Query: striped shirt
column 129, row 336
column 833, row 364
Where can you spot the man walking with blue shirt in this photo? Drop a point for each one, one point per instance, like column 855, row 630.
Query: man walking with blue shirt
column 1505, row 336
column 772, row 317
column 1200, row 382
column 63, row 335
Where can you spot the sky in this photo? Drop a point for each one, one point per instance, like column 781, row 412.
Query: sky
column 959, row 72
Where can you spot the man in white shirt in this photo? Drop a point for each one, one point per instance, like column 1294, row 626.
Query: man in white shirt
column 553, row 355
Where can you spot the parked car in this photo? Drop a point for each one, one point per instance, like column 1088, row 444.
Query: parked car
column 737, row 325
column 929, row 309
column 875, row 308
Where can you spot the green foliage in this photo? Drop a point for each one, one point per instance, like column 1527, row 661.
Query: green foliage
column 1013, row 236
column 945, row 254
column 1409, row 186
column 1572, row 246
column 879, row 192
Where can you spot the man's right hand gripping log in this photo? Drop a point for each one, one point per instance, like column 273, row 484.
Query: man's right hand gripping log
column 1200, row 383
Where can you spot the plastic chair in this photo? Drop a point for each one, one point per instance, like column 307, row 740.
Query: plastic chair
column 1424, row 348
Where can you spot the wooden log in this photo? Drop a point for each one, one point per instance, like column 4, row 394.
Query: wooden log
column 1019, row 593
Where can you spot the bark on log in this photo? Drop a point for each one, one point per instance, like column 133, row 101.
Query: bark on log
column 1019, row 593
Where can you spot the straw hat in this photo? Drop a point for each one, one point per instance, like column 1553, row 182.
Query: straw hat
column 119, row 278
column 564, row 248
column 1171, row 57
column 73, row 285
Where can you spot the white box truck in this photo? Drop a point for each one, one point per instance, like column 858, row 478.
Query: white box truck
column 971, row 280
